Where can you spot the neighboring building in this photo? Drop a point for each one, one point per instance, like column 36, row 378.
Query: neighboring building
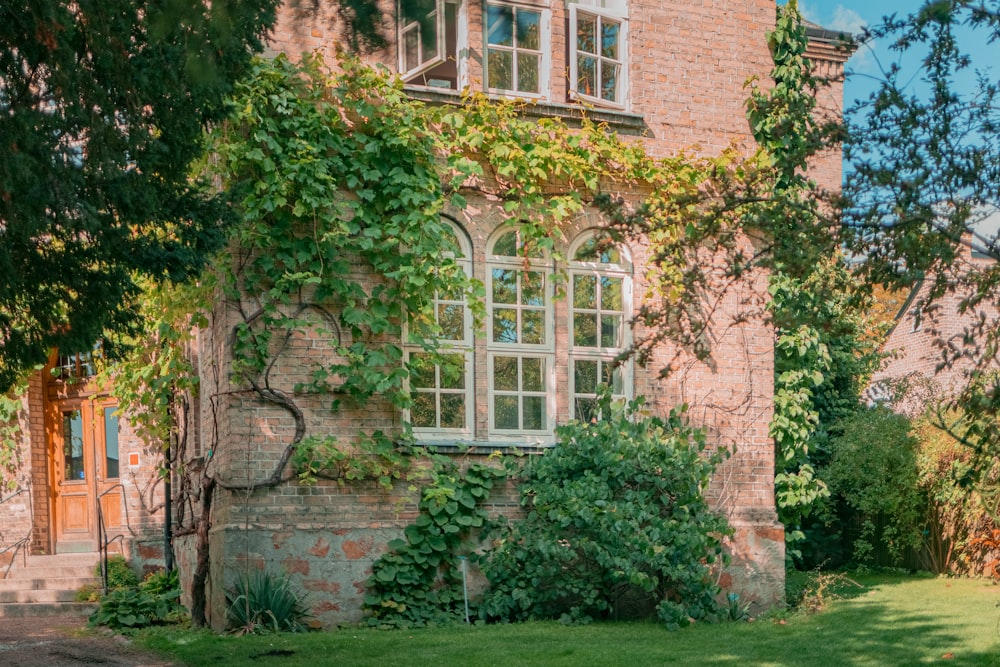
column 935, row 342
column 672, row 73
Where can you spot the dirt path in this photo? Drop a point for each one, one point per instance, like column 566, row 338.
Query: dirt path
column 66, row 642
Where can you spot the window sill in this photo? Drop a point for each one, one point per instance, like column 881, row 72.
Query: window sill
column 485, row 448
column 573, row 114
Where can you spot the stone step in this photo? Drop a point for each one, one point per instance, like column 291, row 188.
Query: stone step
column 37, row 595
column 53, row 572
column 88, row 559
column 48, row 583
column 33, row 609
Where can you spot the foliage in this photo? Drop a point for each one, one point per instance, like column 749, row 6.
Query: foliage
column 377, row 457
column 814, row 591
column 873, row 479
column 120, row 573
column 957, row 514
column 154, row 601
column 925, row 151
column 419, row 580
column 263, row 602
column 615, row 524
column 11, row 406
column 100, row 130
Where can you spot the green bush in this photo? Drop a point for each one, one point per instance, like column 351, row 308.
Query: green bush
column 120, row 573
column 615, row 526
column 873, row 483
column 155, row 601
column 263, row 602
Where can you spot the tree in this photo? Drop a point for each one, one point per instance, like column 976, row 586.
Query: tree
column 925, row 153
column 103, row 105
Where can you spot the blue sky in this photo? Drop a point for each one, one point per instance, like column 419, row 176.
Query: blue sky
column 864, row 67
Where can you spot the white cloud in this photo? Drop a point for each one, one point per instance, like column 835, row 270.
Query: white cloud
column 846, row 20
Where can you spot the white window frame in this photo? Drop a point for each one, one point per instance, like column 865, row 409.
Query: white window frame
column 544, row 50
column 614, row 10
column 462, row 347
column 414, row 26
column 599, row 353
column 441, row 53
column 519, row 350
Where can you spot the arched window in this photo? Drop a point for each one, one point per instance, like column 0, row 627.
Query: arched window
column 519, row 338
column 441, row 393
column 600, row 305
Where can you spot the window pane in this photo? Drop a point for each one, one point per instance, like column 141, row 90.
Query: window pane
column 585, row 329
column 73, row 445
column 500, row 25
column 452, row 372
column 528, row 29
column 609, row 39
column 585, row 409
column 533, row 327
column 505, row 412
column 609, row 81
column 534, row 413
column 453, row 411
column 421, row 371
column 584, row 292
column 585, row 376
column 501, row 70
column 506, row 245
column 111, row 443
column 532, row 288
column 610, row 331
column 527, row 73
column 613, row 378
column 504, row 325
column 411, row 49
column 586, row 74
column 504, row 286
column 586, row 33
column 611, row 293
column 531, row 374
column 505, row 373
column 423, row 412
column 451, row 317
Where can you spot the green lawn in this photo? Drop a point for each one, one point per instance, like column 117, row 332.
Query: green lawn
column 891, row 621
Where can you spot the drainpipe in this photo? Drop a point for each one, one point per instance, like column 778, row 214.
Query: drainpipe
column 168, row 548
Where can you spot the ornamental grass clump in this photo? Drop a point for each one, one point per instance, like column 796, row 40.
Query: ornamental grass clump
column 262, row 602
column 616, row 526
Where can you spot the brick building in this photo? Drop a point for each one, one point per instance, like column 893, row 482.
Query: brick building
column 672, row 74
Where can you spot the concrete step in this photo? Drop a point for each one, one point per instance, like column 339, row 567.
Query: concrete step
column 47, row 583
column 33, row 609
column 37, row 595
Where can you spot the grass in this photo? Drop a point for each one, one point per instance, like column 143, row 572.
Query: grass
column 888, row 621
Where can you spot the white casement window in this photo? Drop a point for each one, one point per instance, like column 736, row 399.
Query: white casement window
column 598, row 63
column 600, row 298
column 519, row 336
column 442, row 393
column 517, row 49
column 429, row 46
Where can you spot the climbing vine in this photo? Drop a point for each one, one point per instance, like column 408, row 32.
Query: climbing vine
column 419, row 581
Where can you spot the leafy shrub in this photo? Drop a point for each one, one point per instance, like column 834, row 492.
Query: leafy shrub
column 155, row 601
column 873, row 479
column 264, row 602
column 120, row 573
column 616, row 525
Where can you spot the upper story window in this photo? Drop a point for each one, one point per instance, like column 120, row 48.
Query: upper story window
column 598, row 62
column 428, row 46
column 441, row 386
column 517, row 49
column 520, row 349
column 600, row 296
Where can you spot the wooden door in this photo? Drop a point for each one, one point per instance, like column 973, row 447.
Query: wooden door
column 85, row 471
